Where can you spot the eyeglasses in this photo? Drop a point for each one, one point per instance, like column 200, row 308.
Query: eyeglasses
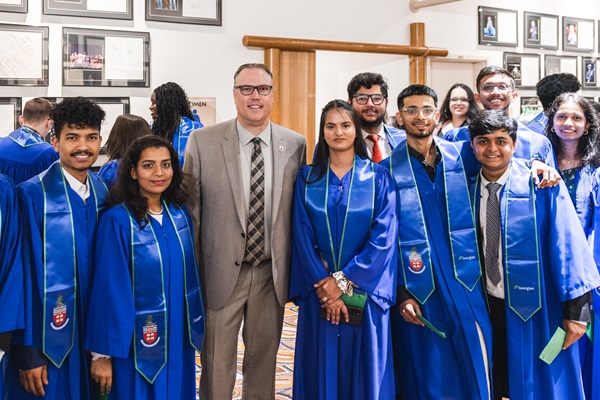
column 414, row 111
column 363, row 99
column 247, row 90
column 459, row 99
column 489, row 87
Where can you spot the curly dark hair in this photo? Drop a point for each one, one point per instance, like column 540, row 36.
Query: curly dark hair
column 446, row 115
column 171, row 104
column 589, row 144
column 127, row 190
column 126, row 129
column 551, row 86
column 76, row 112
column 367, row 80
column 322, row 152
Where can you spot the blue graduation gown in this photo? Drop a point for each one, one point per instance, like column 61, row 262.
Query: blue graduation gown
column 592, row 368
column 72, row 380
column 21, row 163
column 182, row 134
column 111, row 313
column 538, row 124
column 428, row 366
column 11, row 267
column 529, row 143
column 345, row 361
column 567, row 271
column 110, row 172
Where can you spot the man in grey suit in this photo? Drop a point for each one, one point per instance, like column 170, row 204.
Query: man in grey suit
column 244, row 249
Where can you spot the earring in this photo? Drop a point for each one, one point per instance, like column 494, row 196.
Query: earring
column 585, row 132
column 552, row 129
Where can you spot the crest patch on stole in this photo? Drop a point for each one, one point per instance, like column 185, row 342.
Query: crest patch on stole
column 59, row 314
column 150, row 336
column 415, row 262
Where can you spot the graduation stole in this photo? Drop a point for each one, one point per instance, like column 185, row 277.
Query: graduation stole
column 150, row 327
column 60, row 260
column 519, row 226
column 359, row 214
column 583, row 188
column 415, row 256
column 26, row 137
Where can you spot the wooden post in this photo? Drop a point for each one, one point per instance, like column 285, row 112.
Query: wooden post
column 417, row 63
column 273, row 61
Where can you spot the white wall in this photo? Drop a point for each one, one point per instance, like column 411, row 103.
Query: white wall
column 203, row 58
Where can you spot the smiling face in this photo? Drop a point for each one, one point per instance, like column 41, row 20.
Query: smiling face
column 153, row 172
column 569, row 122
column 339, row 131
column 494, row 151
column 253, row 110
column 418, row 125
column 495, row 92
column 78, row 149
column 371, row 115
column 459, row 102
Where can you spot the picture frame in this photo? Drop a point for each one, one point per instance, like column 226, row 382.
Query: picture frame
column 540, row 31
column 94, row 57
column 578, row 34
column 10, row 110
column 199, row 12
column 14, row 6
column 524, row 67
column 589, row 72
column 530, row 108
column 24, row 55
column 497, row 27
column 560, row 64
column 112, row 9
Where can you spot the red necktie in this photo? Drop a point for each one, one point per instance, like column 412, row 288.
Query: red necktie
column 377, row 156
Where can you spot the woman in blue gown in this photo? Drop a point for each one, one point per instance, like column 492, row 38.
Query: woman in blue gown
column 126, row 129
column 173, row 117
column 573, row 130
column 343, row 264
column 145, row 317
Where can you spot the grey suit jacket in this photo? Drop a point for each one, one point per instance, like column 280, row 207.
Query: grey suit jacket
column 212, row 166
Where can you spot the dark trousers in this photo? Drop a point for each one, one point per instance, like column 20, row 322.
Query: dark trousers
column 499, row 347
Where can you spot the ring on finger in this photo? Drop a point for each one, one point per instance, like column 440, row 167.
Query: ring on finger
column 323, row 299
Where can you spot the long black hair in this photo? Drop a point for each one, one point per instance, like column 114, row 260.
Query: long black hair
column 126, row 129
column 588, row 147
column 322, row 154
column 127, row 189
column 171, row 104
column 446, row 114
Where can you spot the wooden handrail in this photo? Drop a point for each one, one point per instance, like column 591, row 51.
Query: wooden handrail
column 307, row 44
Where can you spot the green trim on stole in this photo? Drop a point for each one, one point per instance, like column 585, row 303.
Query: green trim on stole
column 413, row 240
column 60, row 261
column 26, row 137
column 359, row 213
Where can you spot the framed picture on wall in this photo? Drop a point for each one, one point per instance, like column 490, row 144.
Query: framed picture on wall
column 560, row 64
column 10, row 110
column 497, row 27
column 578, row 34
column 16, row 6
column 530, row 107
column 93, row 57
column 589, row 76
column 113, row 9
column 200, row 12
column 525, row 69
column 23, row 55
column 540, row 31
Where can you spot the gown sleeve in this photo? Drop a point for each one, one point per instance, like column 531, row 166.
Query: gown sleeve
column 111, row 312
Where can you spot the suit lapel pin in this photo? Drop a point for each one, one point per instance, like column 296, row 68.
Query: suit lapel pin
column 281, row 149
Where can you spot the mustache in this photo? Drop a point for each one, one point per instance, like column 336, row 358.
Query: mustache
column 82, row 152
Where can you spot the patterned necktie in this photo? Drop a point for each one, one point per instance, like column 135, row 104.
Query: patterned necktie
column 377, row 156
column 255, row 238
column 492, row 233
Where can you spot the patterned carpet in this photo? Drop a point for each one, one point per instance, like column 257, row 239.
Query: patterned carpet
column 285, row 358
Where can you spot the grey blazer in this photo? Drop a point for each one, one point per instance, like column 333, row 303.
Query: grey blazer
column 212, row 167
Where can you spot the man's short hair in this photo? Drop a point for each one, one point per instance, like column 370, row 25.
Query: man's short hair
column 367, row 80
column 490, row 121
column 416, row 90
column 36, row 110
column 77, row 112
column 552, row 86
column 493, row 70
column 252, row 66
